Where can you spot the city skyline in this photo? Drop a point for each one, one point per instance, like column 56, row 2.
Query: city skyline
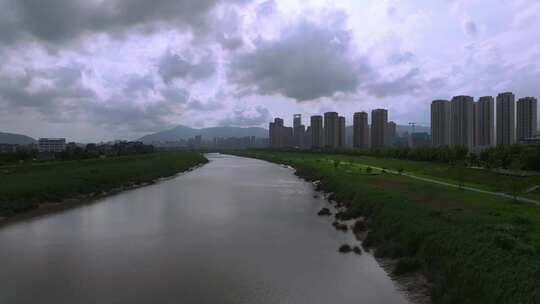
column 461, row 121
column 149, row 67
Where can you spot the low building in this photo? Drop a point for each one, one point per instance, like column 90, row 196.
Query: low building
column 51, row 145
column 530, row 141
column 8, row 148
column 420, row 139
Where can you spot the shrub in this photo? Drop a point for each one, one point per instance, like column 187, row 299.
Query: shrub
column 389, row 250
column 407, row 265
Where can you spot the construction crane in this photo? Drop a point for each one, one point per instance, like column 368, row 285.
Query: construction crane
column 413, row 126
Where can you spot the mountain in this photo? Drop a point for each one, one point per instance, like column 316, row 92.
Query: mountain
column 400, row 130
column 15, row 139
column 183, row 132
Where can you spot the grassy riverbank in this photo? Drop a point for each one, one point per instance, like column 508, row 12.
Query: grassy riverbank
column 472, row 177
column 24, row 187
column 473, row 247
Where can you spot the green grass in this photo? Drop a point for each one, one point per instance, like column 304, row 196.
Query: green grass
column 482, row 179
column 24, row 186
column 475, row 248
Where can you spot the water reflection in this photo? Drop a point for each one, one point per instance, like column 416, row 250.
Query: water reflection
column 234, row 231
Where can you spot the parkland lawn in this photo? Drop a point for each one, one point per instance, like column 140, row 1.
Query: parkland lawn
column 476, row 178
column 473, row 247
column 24, row 186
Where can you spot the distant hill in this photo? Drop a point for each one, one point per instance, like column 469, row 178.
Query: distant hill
column 183, row 132
column 15, row 139
column 400, row 130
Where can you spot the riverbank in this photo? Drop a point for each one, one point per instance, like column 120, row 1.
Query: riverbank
column 30, row 190
column 472, row 247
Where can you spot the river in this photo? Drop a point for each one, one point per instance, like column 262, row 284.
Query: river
column 236, row 231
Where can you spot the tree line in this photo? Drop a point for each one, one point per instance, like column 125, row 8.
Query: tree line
column 78, row 152
column 506, row 157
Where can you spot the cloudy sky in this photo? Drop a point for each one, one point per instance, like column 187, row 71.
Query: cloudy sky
column 93, row 70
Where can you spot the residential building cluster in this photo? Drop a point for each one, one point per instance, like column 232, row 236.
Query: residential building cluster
column 51, row 145
column 485, row 123
column 330, row 131
column 53, row 148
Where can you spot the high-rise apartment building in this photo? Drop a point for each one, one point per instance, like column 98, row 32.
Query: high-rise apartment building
column 288, row 137
column 440, row 123
column 390, row 133
column 360, row 130
column 506, row 122
column 526, row 118
column 342, row 132
column 308, row 138
column 298, row 130
column 485, row 122
column 277, row 134
column 317, row 131
column 462, row 122
column 379, row 119
column 331, row 129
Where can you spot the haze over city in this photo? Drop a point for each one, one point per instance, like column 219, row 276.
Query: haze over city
column 103, row 70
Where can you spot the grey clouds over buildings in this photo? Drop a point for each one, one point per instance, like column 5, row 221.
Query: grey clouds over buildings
column 92, row 70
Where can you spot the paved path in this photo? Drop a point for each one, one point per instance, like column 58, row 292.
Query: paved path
column 434, row 181
column 531, row 189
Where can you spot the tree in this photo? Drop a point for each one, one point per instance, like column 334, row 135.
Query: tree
column 517, row 182
column 459, row 169
column 473, row 159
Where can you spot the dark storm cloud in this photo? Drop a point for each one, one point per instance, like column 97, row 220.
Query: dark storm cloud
column 406, row 84
column 470, row 28
column 247, row 117
column 197, row 105
column 120, row 113
column 57, row 21
column 399, row 58
column 54, row 100
column 59, row 95
column 175, row 95
column 229, row 42
column 267, row 8
column 138, row 85
column 172, row 66
column 309, row 61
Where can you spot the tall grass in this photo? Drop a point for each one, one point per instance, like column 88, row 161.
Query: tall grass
column 23, row 187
